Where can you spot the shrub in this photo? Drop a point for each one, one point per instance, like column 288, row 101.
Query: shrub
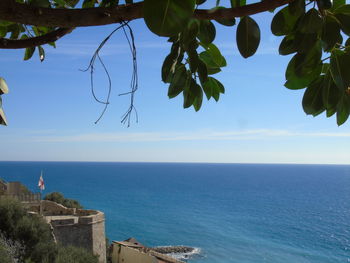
column 31, row 231
column 5, row 254
column 75, row 255
column 60, row 199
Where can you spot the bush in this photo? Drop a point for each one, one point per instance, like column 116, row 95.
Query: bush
column 60, row 199
column 75, row 255
column 31, row 231
column 5, row 254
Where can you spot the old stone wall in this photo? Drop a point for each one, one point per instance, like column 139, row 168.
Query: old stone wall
column 82, row 229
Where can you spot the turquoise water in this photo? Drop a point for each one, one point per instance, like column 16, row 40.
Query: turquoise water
column 240, row 213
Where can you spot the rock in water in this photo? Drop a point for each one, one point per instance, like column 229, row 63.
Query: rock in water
column 173, row 249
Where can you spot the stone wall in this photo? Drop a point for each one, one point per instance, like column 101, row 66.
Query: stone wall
column 76, row 227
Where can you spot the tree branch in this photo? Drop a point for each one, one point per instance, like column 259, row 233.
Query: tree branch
column 12, row 11
column 6, row 43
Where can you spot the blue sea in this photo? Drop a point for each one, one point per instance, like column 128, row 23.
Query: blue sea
column 239, row 213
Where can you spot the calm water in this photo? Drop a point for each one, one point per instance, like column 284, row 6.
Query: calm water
column 234, row 213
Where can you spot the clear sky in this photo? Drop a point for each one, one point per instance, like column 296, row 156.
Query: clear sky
column 51, row 111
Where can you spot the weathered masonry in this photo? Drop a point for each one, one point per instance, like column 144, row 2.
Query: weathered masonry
column 76, row 227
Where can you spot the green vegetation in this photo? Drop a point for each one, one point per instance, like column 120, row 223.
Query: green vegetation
column 316, row 32
column 28, row 238
column 30, row 230
column 60, row 199
column 75, row 255
column 5, row 252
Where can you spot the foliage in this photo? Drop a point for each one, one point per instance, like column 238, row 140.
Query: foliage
column 60, row 199
column 315, row 31
column 75, row 255
column 31, row 231
column 5, row 253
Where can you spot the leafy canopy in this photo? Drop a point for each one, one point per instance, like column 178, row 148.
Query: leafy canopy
column 315, row 33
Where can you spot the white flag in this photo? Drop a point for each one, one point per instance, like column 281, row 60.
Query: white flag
column 41, row 182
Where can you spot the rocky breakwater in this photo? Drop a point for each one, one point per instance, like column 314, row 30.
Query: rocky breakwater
column 173, row 249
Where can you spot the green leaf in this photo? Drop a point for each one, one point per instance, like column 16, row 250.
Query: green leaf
column 305, row 42
column 212, row 88
column 248, row 36
column 179, row 82
column 215, row 54
column 207, row 32
column 330, row 94
column 197, row 102
column 340, row 69
column 89, row 3
column 29, row 53
column 225, row 22
column 342, row 8
column 202, row 71
column 212, row 67
column 295, row 81
column 312, row 100
column 337, row 4
column 283, row 22
column 330, row 33
column 343, row 109
column 288, row 45
column 237, row 3
column 311, row 22
column 191, row 30
column 193, row 59
column 166, row 68
column 193, row 95
column 325, row 4
column 306, row 63
column 3, row 31
column 296, row 8
column 344, row 20
column 167, row 17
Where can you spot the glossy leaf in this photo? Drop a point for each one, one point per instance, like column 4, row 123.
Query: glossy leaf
column 248, row 36
column 179, row 82
column 29, row 53
column 169, row 17
column 330, row 33
column 237, row 3
column 344, row 22
column 340, row 69
column 215, row 55
column 225, row 22
column 212, row 88
column 311, row 22
column 306, row 63
column 343, row 109
column 283, row 22
column 296, row 7
column 304, row 42
column 207, row 32
column 202, row 71
column 330, row 94
column 288, row 45
column 212, row 67
column 312, row 99
column 325, row 4
column 295, row 81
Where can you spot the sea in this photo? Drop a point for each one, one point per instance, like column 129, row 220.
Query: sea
column 231, row 213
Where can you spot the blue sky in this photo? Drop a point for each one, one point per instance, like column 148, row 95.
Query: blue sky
column 51, row 111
